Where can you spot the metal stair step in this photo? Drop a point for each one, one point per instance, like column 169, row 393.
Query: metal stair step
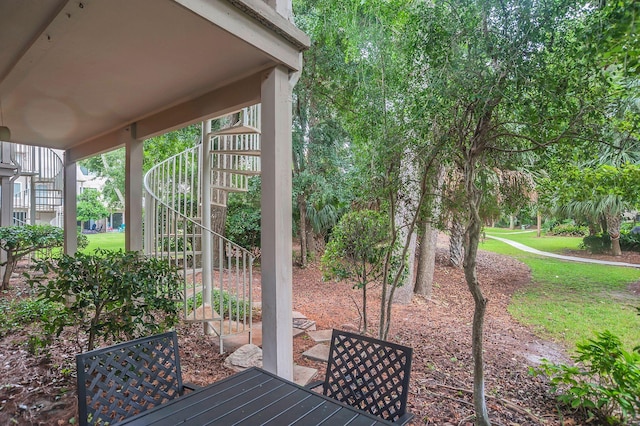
column 228, row 189
column 238, row 172
column 247, row 152
column 236, row 130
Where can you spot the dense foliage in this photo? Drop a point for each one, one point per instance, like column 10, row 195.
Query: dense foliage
column 604, row 383
column 243, row 218
column 109, row 295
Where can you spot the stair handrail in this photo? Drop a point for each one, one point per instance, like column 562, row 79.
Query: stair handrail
column 173, row 234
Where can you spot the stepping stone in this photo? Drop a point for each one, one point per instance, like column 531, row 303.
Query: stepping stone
column 319, row 352
column 304, row 324
column 303, row 375
column 301, row 321
column 297, row 331
column 320, row 336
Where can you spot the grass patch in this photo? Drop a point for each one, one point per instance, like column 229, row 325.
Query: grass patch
column 570, row 301
column 551, row 244
column 106, row 241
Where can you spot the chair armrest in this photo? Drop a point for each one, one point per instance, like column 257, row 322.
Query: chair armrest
column 190, row 386
column 404, row 419
column 314, row 385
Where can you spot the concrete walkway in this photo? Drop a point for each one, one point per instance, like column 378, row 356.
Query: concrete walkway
column 528, row 249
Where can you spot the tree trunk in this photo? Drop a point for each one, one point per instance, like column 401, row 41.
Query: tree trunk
column 311, row 242
column 8, row 270
column 302, row 207
column 539, row 224
column 472, row 240
column 429, row 241
column 456, row 247
column 426, row 260
column 613, row 228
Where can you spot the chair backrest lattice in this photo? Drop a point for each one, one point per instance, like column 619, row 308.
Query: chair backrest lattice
column 369, row 374
column 122, row 380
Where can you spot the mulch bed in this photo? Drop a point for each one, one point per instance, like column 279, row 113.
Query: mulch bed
column 40, row 389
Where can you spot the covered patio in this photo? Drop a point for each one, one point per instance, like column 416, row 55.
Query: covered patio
column 90, row 76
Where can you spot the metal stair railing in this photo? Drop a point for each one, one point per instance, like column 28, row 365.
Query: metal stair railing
column 45, row 168
column 221, row 295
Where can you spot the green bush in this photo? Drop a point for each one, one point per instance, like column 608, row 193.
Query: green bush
column 604, row 384
column 600, row 243
column 16, row 314
column 630, row 242
column 243, row 217
column 569, row 230
column 230, row 305
column 110, row 295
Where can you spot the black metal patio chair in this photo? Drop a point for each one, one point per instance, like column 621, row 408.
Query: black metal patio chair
column 122, row 380
column 369, row 374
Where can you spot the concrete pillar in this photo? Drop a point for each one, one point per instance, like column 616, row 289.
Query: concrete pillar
column 70, row 203
column 276, row 258
column 133, row 190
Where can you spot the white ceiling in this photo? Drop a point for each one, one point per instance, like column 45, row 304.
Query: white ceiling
column 73, row 71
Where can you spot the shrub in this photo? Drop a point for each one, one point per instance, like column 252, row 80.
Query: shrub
column 630, row 242
column 569, row 230
column 600, row 243
column 18, row 313
column 110, row 295
column 604, row 384
column 230, row 305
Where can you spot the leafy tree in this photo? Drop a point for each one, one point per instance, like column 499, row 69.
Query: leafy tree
column 111, row 165
column 90, row 207
column 356, row 250
column 321, row 156
column 500, row 80
column 603, row 191
column 18, row 241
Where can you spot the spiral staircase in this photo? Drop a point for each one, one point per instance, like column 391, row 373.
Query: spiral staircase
column 185, row 209
column 39, row 171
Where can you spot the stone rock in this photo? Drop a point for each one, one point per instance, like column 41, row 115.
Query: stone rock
column 244, row 357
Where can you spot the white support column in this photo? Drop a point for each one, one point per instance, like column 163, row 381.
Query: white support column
column 133, row 190
column 276, row 258
column 70, row 206
column 207, row 240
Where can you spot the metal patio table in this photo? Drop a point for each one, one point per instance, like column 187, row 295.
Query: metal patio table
column 253, row 397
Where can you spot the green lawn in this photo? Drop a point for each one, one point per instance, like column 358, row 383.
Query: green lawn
column 570, row 301
column 545, row 243
column 107, row 241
